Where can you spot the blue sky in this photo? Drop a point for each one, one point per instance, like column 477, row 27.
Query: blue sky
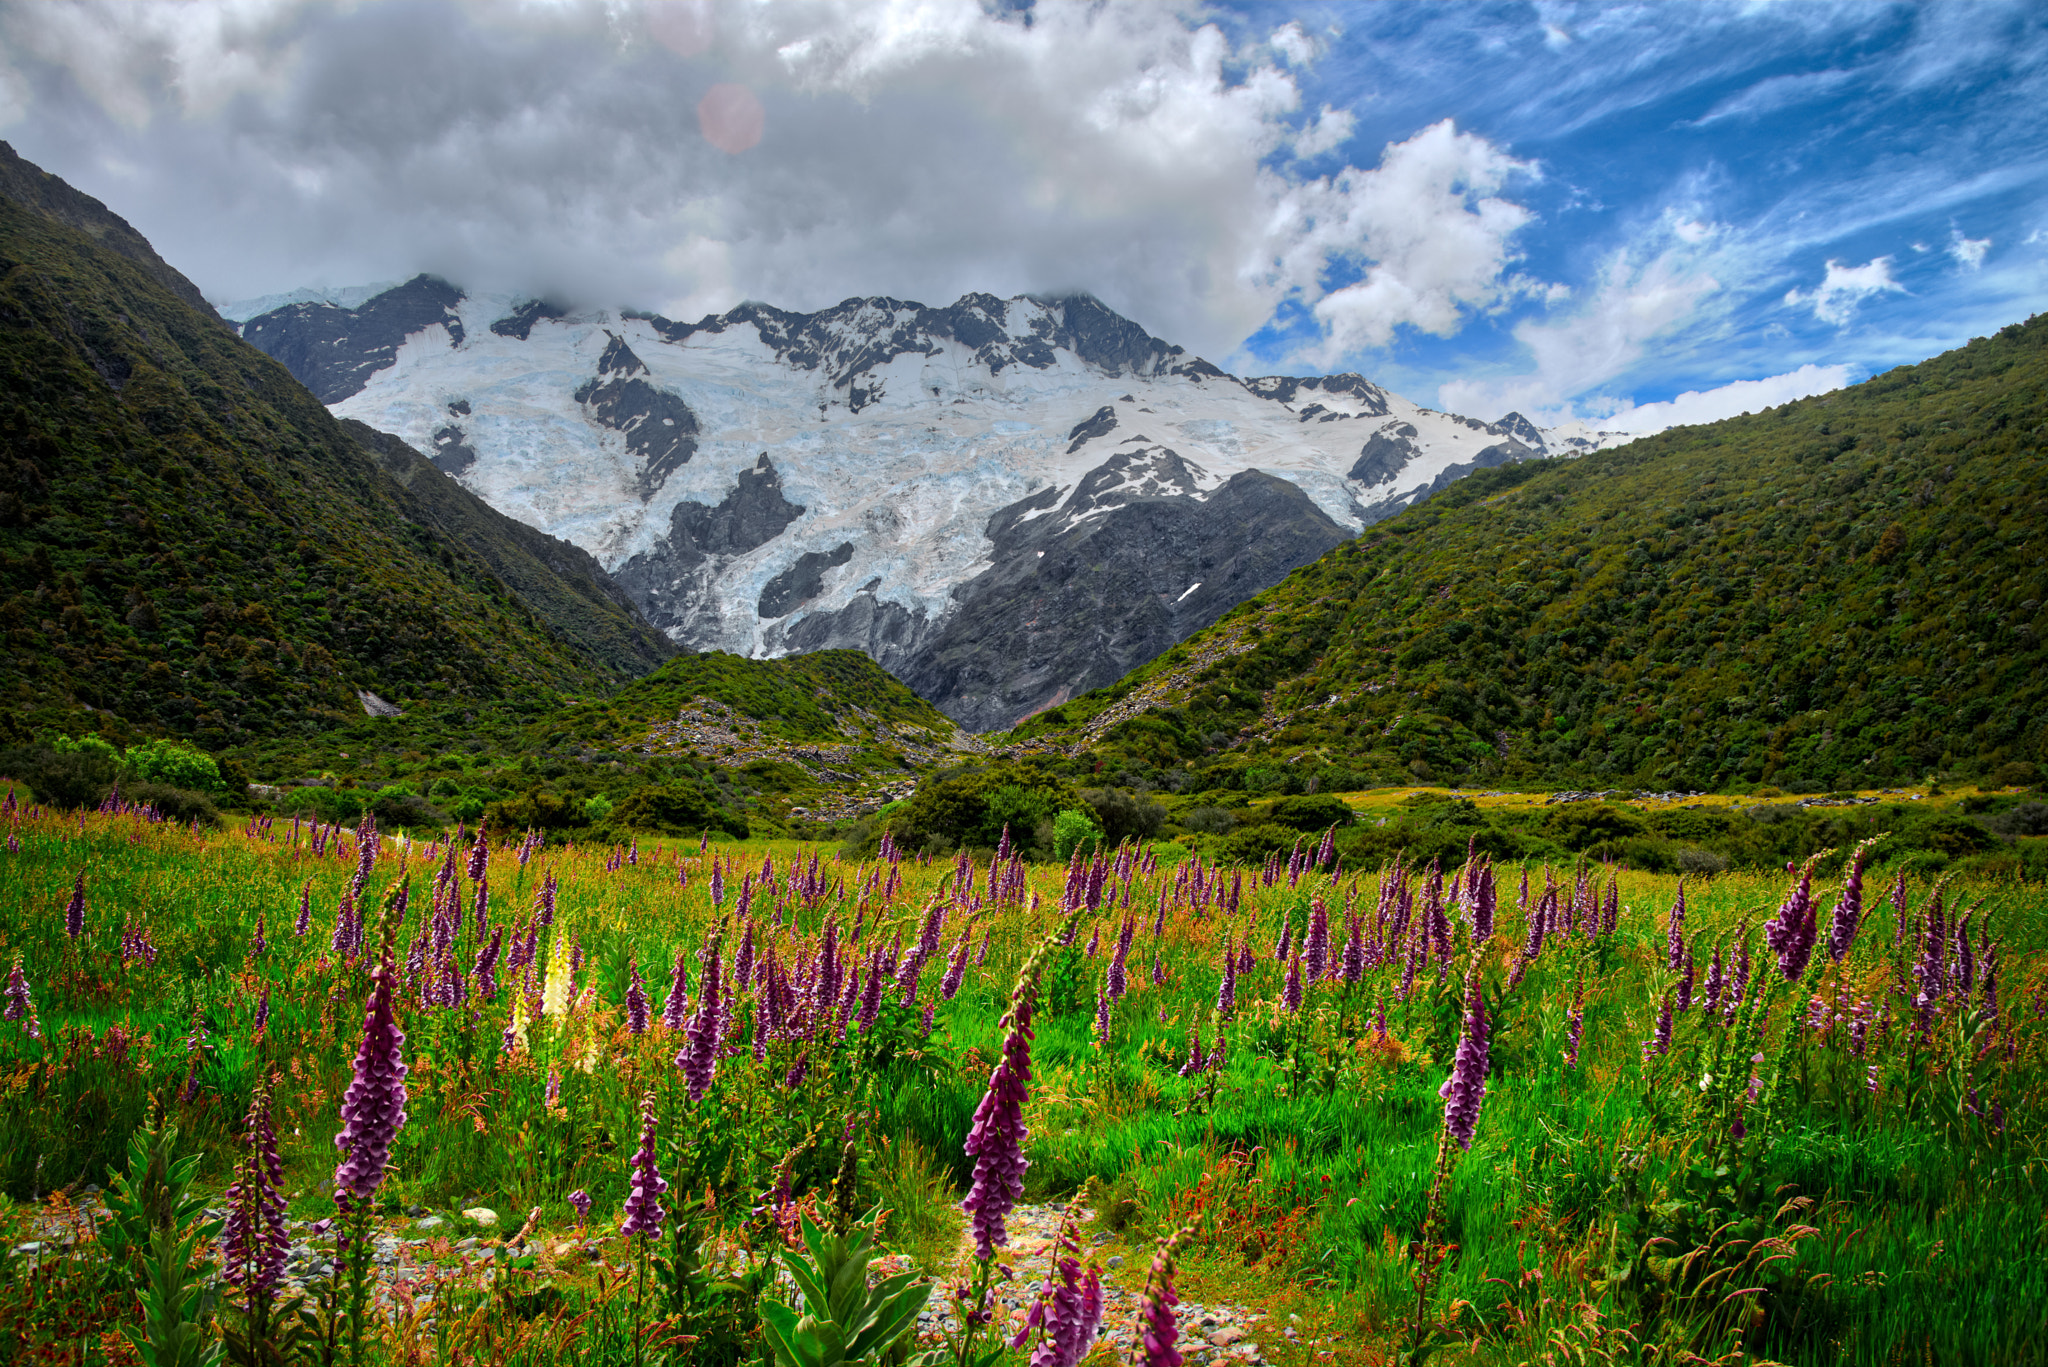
column 1580, row 211
column 1782, row 137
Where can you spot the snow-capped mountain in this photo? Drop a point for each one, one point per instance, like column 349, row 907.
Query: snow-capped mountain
column 1004, row 502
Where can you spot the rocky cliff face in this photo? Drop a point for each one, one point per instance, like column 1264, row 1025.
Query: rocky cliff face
column 1003, row 501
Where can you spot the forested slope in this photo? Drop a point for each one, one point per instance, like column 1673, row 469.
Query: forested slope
column 1843, row 591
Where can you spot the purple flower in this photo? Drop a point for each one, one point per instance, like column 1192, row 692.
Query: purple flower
column 1674, row 947
column 643, row 1199
column 74, row 910
column 1464, row 1091
column 698, row 1058
column 1198, row 1058
column 1660, row 1042
column 1226, row 992
column 19, row 1002
column 871, row 991
column 996, row 1141
column 673, row 1010
column 1484, row 904
column 1290, row 993
column 305, row 910
column 956, row 967
column 1116, row 979
column 580, row 1199
column 1157, row 1331
column 486, row 970
column 373, row 1107
column 479, row 855
column 636, row 1000
column 1790, row 934
column 1068, row 1311
column 253, row 1238
column 1316, row 949
column 1848, row 908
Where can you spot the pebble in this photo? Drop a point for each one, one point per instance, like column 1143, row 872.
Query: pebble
column 430, row 1222
column 483, row 1215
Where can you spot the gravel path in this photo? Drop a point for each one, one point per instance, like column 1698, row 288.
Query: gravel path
column 417, row 1257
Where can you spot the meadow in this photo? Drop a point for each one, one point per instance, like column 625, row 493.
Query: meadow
column 1468, row 1113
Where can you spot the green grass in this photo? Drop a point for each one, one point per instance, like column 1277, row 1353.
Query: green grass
column 1909, row 1220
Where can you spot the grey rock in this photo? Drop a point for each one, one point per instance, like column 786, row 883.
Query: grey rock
column 334, row 351
column 1134, row 561
column 671, row 582
column 430, row 1222
column 660, row 429
column 802, row 581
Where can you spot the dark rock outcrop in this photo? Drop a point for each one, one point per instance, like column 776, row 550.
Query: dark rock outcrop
column 1086, row 430
column 660, row 429
column 1131, row 563
column 802, row 581
column 452, row 452
column 334, row 351
column 1385, row 454
column 519, row 323
column 672, row 581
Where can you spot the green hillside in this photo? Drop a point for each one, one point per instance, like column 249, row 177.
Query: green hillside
column 190, row 544
column 1844, row 591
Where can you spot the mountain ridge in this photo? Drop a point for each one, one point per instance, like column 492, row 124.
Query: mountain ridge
column 902, row 434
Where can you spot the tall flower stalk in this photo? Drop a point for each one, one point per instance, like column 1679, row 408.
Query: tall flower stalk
column 996, row 1144
column 372, row 1114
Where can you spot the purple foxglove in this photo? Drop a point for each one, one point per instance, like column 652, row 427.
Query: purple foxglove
column 996, row 1141
column 486, row 970
column 643, row 1199
column 373, row 1107
column 1674, row 939
column 580, row 1199
column 698, row 1058
column 1116, row 979
column 1464, row 1091
column 1790, row 934
column 674, row 1010
column 479, row 855
column 1316, row 948
column 1068, row 1311
column 871, row 992
column 956, row 968
column 1157, row 1330
column 74, row 910
column 305, row 910
column 20, row 1005
column 253, row 1238
column 1290, row 993
column 636, row 1000
column 1226, row 992
column 1849, row 907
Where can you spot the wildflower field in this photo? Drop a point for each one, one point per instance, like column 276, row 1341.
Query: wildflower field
column 1472, row 1113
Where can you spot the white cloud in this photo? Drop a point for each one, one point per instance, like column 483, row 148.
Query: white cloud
column 1633, row 304
column 1835, row 299
column 1426, row 228
column 1292, row 42
column 919, row 148
column 1968, row 251
column 1711, row 405
column 1331, row 130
